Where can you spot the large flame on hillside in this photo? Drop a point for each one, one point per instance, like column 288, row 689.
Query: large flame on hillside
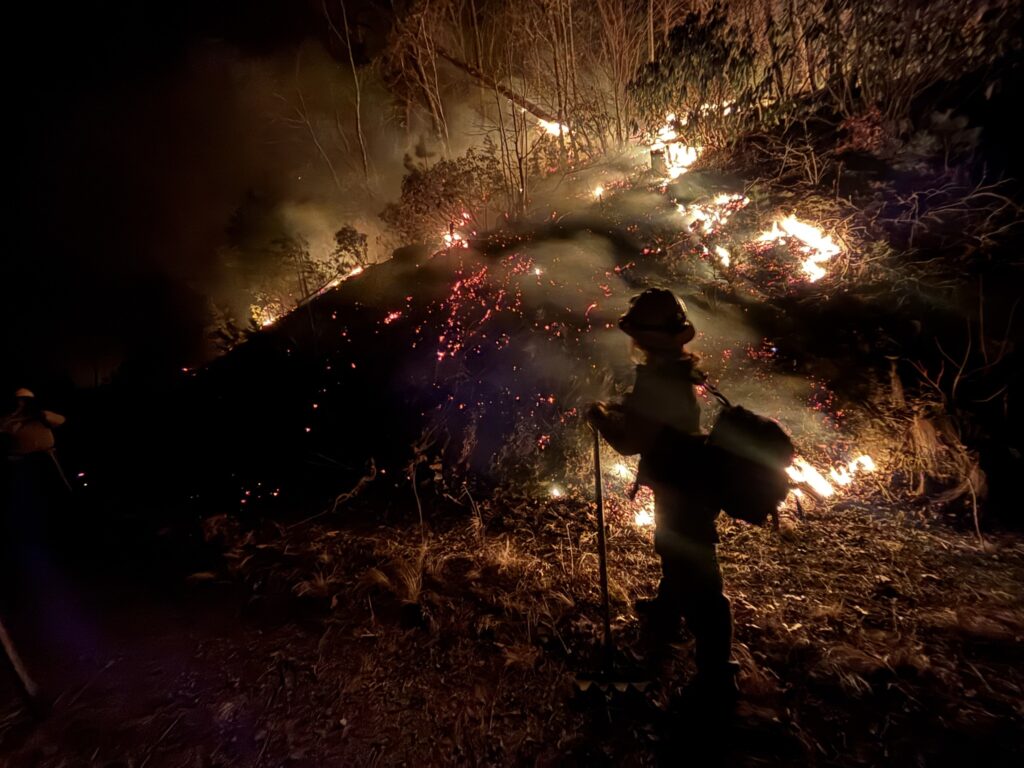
column 268, row 313
column 342, row 278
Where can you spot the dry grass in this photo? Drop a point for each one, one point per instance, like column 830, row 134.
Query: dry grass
column 864, row 637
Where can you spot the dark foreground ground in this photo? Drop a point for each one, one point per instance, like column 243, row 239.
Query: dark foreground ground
column 866, row 638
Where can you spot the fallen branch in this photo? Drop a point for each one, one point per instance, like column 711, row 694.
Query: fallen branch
column 521, row 101
column 364, row 481
column 343, row 498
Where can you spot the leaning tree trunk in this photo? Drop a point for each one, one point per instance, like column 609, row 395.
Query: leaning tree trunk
column 535, row 109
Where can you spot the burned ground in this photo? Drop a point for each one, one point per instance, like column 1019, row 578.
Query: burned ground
column 866, row 637
column 382, row 501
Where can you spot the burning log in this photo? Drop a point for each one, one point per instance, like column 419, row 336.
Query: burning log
column 516, row 98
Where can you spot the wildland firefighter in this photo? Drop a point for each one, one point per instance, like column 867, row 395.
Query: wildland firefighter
column 660, row 420
column 32, row 478
column 29, row 428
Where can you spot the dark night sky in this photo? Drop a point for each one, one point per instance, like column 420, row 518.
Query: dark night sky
column 130, row 150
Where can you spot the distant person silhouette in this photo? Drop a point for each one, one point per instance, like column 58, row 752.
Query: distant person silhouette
column 32, row 477
column 29, row 427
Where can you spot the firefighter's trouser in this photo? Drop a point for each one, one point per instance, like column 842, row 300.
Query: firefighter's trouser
column 691, row 588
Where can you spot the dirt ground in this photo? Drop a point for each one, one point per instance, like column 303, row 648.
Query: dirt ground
column 866, row 637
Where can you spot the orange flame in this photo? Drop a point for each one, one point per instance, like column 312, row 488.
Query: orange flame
column 552, row 128
column 803, row 472
column 818, row 247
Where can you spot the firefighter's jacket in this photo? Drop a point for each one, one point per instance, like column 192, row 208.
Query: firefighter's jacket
column 660, row 420
column 30, row 433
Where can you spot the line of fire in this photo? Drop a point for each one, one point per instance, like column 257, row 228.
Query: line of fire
column 514, row 382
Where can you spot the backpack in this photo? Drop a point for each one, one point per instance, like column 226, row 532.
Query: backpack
column 749, row 454
column 740, row 467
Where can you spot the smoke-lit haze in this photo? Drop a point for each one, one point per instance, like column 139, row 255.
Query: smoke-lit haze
column 159, row 151
column 164, row 154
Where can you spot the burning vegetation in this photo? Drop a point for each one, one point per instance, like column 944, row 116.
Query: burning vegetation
column 400, row 479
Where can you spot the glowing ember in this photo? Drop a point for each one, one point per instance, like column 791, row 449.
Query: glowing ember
column 814, row 244
column 474, row 299
column 391, row 317
column 723, row 256
column 551, row 128
column 598, row 192
column 453, row 239
column 713, row 216
column 644, row 517
column 556, row 492
column 621, row 470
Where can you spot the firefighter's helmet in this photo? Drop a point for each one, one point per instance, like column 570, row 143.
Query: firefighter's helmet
column 657, row 318
column 24, row 393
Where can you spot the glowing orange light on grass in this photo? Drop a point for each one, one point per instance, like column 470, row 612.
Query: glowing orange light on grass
column 644, row 517
column 622, row 471
column 824, row 483
column 803, row 472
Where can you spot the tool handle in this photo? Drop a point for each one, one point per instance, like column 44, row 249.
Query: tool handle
column 602, row 550
column 28, row 685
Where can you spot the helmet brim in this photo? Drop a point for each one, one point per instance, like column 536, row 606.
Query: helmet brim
column 660, row 339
